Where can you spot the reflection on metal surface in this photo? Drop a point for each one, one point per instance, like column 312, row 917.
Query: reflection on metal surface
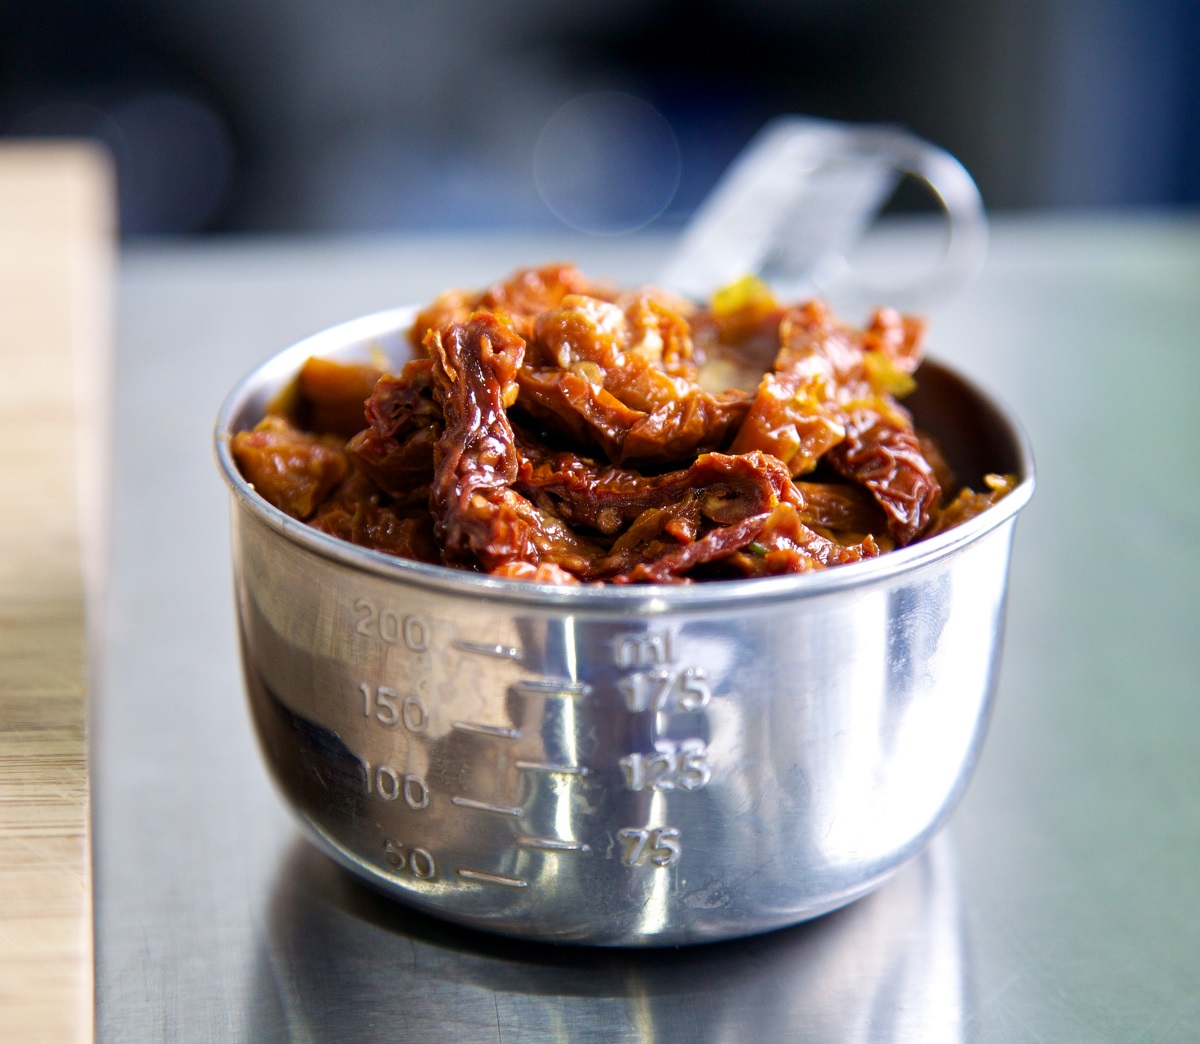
column 485, row 730
column 483, row 877
column 551, row 687
column 552, row 769
column 339, row 961
column 552, row 844
column 495, row 652
column 487, row 806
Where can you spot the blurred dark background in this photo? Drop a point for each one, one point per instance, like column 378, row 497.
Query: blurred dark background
column 385, row 115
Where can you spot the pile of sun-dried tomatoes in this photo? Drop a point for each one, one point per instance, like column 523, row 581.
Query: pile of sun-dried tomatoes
column 555, row 429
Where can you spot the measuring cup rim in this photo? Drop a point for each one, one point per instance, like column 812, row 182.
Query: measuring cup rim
column 264, row 381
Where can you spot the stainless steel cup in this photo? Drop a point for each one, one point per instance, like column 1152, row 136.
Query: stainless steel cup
column 622, row 766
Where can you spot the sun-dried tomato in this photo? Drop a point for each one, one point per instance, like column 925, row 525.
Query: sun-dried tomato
column 886, row 458
column 291, row 469
column 404, row 423
column 332, row 395
column 556, row 430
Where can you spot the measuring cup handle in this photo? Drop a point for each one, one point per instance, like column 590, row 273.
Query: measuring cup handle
column 804, row 192
column 953, row 187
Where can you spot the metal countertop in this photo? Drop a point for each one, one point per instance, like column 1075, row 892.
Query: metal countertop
column 1063, row 901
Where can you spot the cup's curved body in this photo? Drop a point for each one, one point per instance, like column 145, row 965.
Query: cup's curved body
column 622, row 766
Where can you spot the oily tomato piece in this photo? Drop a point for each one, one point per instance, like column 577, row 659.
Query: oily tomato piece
column 555, row 429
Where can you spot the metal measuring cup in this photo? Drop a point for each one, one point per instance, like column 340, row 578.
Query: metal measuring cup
column 621, row 766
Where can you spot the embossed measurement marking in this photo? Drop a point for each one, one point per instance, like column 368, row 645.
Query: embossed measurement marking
column 553, row 844
column 552, row 687
column 390, row 626
column 644, row 650
column 388, row 708
column 391, row 785
column 493, row 879
column 487, row 806
column 496, row 652
column 546, row 766
column 683, row 765
column 660, row 844
column 664, row 690
column 417, row 860
column 486, row 730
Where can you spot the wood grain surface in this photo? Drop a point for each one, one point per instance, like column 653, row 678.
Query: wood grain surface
column 56, row 253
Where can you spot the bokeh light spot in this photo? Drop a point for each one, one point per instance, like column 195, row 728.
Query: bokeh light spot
column 607, row 163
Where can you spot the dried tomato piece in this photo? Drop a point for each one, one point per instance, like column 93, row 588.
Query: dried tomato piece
column 531, row 291
column 967, row 503
column 886, row 458
column 403, row 467
column 789, row 421
column 517, row 300
column 332, row 395
column 405, row 423
column 896, row 337
column 676, row 431
column 830, row 397
column 573, row 406
column 786, row 536
column 596, row 338
column 478, row 518
column 289, row 468
column 823, row 369
column 786, row 545
column 604, row 353
column 718, row 543
column 796, row 415
column 681, row 429
column 634, row 452
column 358, row 513
column 403, row 402
column 840, row 508
column 725, row 488
column 660, row 331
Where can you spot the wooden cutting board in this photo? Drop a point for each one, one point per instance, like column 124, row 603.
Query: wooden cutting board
column 56, row 260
